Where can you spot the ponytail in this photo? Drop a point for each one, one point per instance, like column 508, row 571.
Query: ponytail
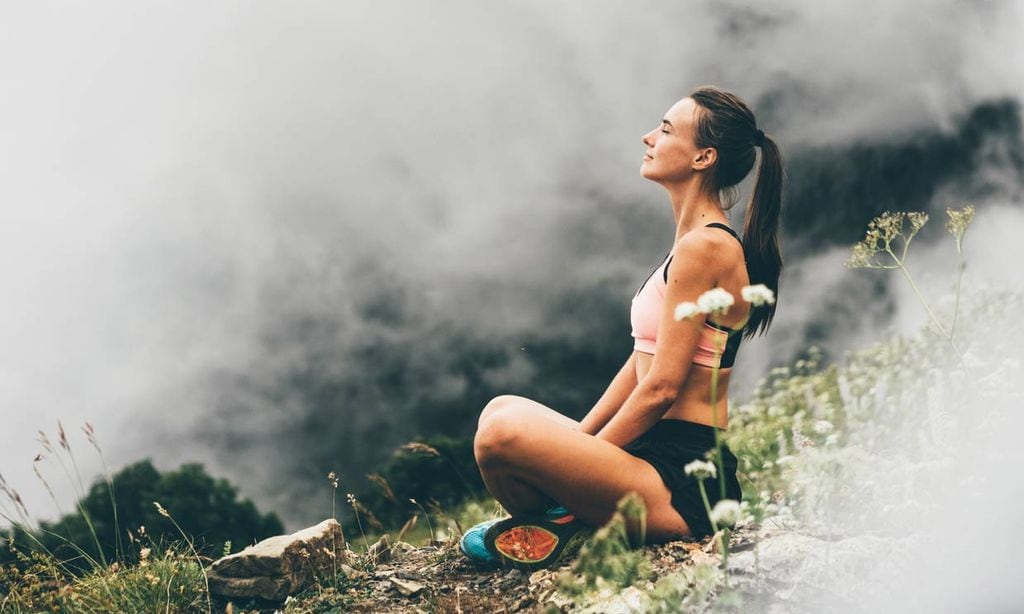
column 726, row 123
column 760, row 234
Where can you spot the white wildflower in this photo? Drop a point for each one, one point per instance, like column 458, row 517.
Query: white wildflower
column 822, row 427
column 832, row 440
column 726, row 513
column 758, row 294
column 686, row 310
column 715, row 300
column 700, row 469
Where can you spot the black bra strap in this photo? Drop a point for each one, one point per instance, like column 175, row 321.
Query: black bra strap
column 653, row 272
column 716, row 225
column 724, row 227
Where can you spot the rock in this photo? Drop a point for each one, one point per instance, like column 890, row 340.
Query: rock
column 627, row 601
column 281, row 565
column 408, row 588
column 380, row 551
column 522, row 603
column 400, row 549
column 539, row 576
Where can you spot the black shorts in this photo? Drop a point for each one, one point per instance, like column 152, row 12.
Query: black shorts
column 668, row 446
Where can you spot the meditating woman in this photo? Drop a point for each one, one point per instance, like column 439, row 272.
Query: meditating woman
column 558, row 477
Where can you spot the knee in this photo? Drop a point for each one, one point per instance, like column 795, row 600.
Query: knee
column 495, row 406
column 496, row 438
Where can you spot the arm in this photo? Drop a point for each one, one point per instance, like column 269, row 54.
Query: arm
column 612, row 399
column 692, row 272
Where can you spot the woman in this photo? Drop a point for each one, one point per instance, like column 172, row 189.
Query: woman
column 656, row 415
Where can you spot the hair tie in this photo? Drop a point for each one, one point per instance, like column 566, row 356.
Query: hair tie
column 758, row 137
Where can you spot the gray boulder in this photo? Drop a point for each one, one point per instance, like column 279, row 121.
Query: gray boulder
column 281, row 565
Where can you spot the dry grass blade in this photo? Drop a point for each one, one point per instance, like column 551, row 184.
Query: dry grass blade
column 409, row 524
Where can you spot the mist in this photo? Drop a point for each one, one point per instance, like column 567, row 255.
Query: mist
column 284, row 242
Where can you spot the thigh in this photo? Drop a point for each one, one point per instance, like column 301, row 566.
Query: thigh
column 586, row 474
column 525, row 407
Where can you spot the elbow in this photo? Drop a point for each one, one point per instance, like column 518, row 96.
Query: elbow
column 661, row 393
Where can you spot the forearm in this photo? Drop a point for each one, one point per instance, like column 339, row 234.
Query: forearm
column 642, row 410
column 618, row 391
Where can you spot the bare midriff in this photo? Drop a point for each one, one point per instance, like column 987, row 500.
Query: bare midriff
column 694, row 402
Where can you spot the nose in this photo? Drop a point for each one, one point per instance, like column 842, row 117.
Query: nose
column 645, row 139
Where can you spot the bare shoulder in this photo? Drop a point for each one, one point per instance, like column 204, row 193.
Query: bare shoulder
column 711, row 248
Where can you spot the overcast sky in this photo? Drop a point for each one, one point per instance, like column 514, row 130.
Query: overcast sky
column 176, row 177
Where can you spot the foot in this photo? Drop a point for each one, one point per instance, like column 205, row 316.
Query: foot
column 472, row 544
column 556, row 512
column 534, row 542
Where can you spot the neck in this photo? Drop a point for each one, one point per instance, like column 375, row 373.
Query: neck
column 692, row 207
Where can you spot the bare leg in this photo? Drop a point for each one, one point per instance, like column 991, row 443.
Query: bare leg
column 586, row 474
column 516, row 496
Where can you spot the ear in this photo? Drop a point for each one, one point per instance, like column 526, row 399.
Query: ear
column 705, row 158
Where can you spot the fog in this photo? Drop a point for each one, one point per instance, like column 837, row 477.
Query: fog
column 281, row 242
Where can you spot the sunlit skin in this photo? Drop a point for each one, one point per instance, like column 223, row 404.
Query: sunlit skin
column 673, row 160
column 532, row 457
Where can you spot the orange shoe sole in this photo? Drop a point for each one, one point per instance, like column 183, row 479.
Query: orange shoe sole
column 535, row 542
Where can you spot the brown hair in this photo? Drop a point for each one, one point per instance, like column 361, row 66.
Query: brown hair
column 725, row 123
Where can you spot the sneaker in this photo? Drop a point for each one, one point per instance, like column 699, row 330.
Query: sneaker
column 556, row 512
column 533, row 542
column 472, row 545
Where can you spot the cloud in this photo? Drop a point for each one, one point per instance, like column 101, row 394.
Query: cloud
column 204, row 201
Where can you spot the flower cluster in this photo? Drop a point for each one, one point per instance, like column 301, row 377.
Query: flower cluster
column 881, row 232
column 757, row 295
column 715, row 300
column 718, row 301
column 700, row 469
column 726, row 513
column 958, row 222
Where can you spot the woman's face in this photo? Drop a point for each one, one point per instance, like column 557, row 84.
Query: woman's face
column 672, row 156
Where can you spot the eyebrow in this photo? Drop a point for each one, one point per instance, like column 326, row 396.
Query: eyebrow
column 665, row 121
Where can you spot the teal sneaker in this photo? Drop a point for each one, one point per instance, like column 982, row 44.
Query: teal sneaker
column 472, row 544
column 533, row 542
column 556, row 512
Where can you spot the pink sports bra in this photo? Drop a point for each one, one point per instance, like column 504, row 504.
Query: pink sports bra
column 645, row 315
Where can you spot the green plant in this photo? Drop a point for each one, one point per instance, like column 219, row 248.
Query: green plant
column 712, row 302
column 608, row 559
column 884, row 236
column 199, row 561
